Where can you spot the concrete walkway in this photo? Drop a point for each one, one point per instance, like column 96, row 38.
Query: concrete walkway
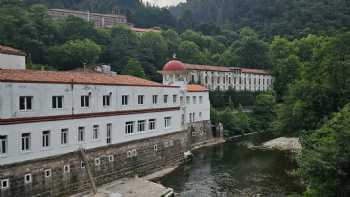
column 130, row 187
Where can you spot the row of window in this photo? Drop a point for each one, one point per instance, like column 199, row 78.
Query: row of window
column 26, row 102
column 64, row 136
column 229, row 80
column 141, row 125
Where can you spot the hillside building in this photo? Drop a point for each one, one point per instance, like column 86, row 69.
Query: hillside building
column 11, row 58
column 100, row 20
column 217, row 77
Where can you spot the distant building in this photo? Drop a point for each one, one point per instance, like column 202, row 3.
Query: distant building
column 143, row 30
column 11, row 58
column 217, row 77
column 100, row 20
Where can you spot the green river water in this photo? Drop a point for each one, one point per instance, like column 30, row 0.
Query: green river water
column 232, row 169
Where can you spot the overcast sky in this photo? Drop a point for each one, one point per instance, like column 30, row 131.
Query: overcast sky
column 163, row 3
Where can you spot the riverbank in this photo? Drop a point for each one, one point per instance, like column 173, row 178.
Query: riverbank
column 291, row 144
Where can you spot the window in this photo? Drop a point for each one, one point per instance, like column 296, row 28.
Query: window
column 174, row 98
column 200, row 114
column 125, row 99
column 57, row 102
column 155, row 147
column 141, row 125
column 64, row 136
column 66, row 169
column 95, row 132
column 182, row 119
column 3, row 144
column 81, row 134
column 140, row 99
column 152, row 124
column 131, row 153
column 109, row 133
column 188, row 99
column 85, row 101
column 181, row 100
column 200, row 99
column 48, row 173
column 25, row 103
column 110, row 158
column 5, row 183
column 46, row 139
column 165, row 99
column 106, row 100
column 25, row 142
column 155, row 99
column 27, row 178
column 82, row 164
column 129, row 127
column 194, row 98
column 97, row 161
column 167, row 122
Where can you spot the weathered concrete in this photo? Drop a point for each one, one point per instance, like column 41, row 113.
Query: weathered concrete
column 130, row 187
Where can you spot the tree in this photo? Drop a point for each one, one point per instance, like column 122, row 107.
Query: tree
column 324, row 161
column 189, row 52
column 264, row 111
column 247, row 51
column 123, row 46
column 134, row 68
column 153, row 52
column 75, row 53
column 285, row 65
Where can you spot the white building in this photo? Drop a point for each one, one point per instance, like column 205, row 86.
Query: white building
column 11, row 58
column 218, row 77
column 47, row 116
column 46, row 113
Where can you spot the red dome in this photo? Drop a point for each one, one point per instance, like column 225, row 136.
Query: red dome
column 174, row 65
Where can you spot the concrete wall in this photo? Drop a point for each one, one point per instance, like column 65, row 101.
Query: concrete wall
column 8, row 61
column 42, row 98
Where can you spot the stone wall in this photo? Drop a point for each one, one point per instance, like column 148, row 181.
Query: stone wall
column 106, row 163
column 202, row 131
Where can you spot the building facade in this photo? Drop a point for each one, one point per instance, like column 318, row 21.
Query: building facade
column 11, row 58
column 123, row 125
column 218, row 77
column 100, row 20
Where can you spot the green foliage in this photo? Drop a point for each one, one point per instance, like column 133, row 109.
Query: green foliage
column 324, row 161
column 234, row 122
column 74, row 54
column 189, row 52
column 323, row 86
column 134, row 68
column 263, row 111
column 247, row 51
column 285, row 64
column 269, row 17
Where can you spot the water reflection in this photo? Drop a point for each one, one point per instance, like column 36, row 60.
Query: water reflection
column 232, row 170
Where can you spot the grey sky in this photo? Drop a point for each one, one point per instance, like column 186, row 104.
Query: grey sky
column 163, row 3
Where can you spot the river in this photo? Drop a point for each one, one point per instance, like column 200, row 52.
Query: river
column 231, row 169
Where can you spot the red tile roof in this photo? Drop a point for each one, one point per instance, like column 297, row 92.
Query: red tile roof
column 11, row 51
column 207, row 68
column 34, row 76
column 196, row 88
column 219, row 69
column 255, row 71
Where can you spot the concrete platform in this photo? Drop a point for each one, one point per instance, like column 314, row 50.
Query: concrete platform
column 131, row 187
